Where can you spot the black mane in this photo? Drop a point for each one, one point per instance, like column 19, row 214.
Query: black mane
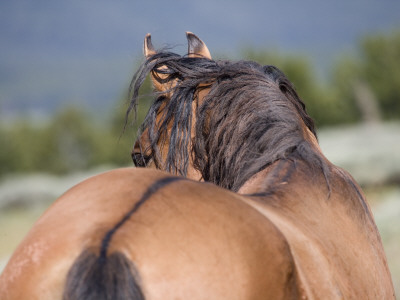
column 251, row 117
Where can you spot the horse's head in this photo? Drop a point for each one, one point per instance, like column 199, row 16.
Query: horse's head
column 220, row 121
column 164, row 141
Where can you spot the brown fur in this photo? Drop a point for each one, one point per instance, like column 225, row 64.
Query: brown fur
column 298, row 227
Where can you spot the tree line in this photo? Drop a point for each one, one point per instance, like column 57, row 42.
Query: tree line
column 360, row 87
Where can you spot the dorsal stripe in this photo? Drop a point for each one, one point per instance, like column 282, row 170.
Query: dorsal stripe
column 157, row 185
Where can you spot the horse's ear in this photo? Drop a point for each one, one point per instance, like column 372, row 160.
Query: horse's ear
column 196, row 47
column 148, row 48
column 149, row 51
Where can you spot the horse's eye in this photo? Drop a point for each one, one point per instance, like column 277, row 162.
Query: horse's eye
column 140, row 160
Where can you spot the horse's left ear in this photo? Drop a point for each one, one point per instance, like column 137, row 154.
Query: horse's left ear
column 196, row 47
column 149, row 51
column 148, row 48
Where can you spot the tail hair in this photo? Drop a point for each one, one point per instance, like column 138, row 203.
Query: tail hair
column 94, row 277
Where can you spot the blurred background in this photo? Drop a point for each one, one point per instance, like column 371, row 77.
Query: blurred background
column 65, row 68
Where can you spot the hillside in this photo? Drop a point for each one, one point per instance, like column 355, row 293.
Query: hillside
column 57, row 53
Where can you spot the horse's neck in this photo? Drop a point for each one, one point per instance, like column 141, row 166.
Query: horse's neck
column 285, row 175
column 305, row 196
column 279, row 172
column 290, row 182
column 325, row 226
column 267, row 179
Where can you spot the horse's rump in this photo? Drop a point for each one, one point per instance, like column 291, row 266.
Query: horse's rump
column 188, row 239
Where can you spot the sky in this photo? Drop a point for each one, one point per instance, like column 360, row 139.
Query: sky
column 84, row 52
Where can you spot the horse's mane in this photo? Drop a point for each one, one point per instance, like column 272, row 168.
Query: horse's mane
column 250, row 118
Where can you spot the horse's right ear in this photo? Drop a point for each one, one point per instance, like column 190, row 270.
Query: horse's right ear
column 196, row 47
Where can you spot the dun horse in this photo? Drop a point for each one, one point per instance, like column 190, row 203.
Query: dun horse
column 267, row 216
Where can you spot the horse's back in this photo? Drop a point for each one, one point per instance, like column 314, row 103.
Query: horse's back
column 187, row 240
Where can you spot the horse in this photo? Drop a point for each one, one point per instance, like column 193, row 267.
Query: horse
column 272, row 155
column 232, row 199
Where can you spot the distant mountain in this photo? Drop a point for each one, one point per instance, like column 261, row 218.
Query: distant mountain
column 54, row 53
